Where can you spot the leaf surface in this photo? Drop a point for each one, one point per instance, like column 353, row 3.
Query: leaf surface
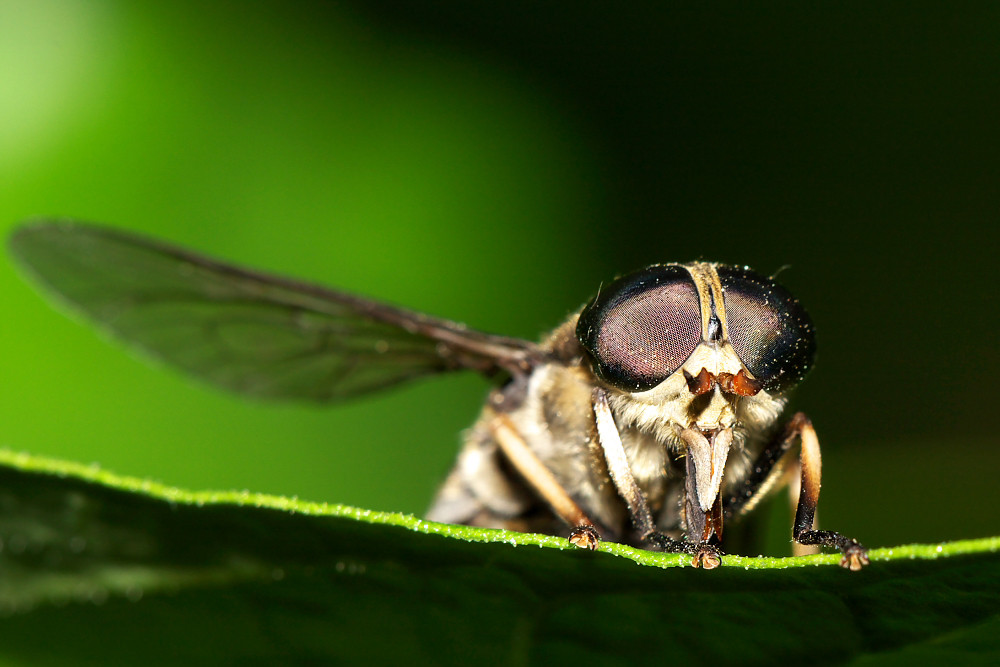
column 101, row 569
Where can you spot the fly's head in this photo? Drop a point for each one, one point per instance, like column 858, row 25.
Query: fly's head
column 700, row 355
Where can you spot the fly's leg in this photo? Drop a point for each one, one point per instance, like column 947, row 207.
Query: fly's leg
column 767, row 471
column 534, row 471
column 855, row 556
column 703, row 554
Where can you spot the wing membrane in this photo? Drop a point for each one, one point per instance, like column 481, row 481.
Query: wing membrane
column 249, row 332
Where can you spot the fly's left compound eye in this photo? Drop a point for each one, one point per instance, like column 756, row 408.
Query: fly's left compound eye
column 641, row 328
column 768, row 328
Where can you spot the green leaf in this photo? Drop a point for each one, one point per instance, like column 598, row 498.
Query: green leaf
column 101, row 569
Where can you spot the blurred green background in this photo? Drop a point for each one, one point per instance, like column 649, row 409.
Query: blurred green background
column 493, row 163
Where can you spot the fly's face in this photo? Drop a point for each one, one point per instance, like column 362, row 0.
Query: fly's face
column 702, row 342
column 698, row 354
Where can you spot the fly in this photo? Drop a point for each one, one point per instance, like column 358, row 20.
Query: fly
column 633, row 421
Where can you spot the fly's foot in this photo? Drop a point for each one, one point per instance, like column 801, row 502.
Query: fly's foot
column 707, row 556
column 585, row 537
column 703, row 554
column 855, row 557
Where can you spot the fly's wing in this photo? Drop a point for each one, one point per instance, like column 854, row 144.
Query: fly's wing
column 249, row 332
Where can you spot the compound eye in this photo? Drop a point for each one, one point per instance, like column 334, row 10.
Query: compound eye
column 642, row 327
column 768, row 328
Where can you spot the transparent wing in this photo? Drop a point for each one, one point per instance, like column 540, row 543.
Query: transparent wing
column 249, row 332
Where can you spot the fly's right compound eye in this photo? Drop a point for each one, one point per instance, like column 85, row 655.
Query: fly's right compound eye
column 642, row 327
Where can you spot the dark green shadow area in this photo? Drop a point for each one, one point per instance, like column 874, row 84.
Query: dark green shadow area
column 98, row 569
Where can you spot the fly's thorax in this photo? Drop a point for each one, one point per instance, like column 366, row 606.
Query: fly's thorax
column 556, row 419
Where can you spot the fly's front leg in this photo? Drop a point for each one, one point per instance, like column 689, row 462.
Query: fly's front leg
column 534, row 471
column 765, row 474
column 704, row 554
column 855, row 556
